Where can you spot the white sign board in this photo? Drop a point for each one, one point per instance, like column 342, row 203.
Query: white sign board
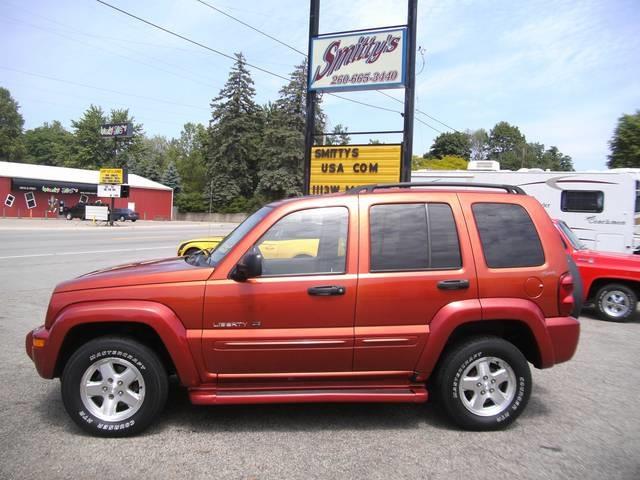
column 109, row 191
column 371, row 59
column 93, row 212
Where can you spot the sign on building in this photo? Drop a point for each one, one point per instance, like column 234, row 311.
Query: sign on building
column 370, row 59
column 9, row 200
column 114, row 176
column 109, row 191
column 111, row 130
column 30, row 200
column 337, row 168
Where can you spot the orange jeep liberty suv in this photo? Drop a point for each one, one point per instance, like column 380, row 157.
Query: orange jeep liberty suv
column 414, row 290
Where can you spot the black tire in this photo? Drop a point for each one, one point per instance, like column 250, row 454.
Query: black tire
column 120, row 351
column 449, row 390
column 122, row 219
column 133, row 219
column 628, row 297
column 69, row 216
column 191, row 251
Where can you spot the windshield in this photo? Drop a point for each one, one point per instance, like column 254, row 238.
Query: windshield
column 234, row 237
column 573, row 238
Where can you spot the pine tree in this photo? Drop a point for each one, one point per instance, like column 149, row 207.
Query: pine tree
column 235, row 131
column 281, row 169
column 171, row 178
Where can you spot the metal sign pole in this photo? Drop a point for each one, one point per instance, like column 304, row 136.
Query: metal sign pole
column 314, row 25
column 409, row 92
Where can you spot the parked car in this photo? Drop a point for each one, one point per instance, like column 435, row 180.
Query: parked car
column 191, row 247
column 410, row 293
column 123, row 214
column 611, row 281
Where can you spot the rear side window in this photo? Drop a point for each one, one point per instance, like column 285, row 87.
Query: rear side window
column 413, row 236
column 582, row 201
column 508, row 236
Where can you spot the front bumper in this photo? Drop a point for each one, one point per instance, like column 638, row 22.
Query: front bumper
column 38, row 349
column 564, row 333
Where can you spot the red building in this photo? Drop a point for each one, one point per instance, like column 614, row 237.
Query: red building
column 39, row 190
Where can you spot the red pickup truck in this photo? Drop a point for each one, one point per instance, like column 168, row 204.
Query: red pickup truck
column 611, row 281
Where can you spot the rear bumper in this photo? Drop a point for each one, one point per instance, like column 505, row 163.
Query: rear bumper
column 563, row 334
column 40, row 355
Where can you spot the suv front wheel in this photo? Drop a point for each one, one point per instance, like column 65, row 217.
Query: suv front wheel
column 484, row 383
column 114, row 386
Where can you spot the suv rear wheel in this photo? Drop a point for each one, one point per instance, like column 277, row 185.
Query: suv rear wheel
column 114, row 386
column 616, row 302
column 484, row 383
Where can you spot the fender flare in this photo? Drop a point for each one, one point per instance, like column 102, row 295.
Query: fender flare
column 160, row 318
column 455, row 314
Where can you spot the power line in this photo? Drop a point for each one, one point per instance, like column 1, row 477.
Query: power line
column 251, row 27
column 70, row 82
column 431, row 127
column 291, row 47
column 217, row 52
column 419, row 111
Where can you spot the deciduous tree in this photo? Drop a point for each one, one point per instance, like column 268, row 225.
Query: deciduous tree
column 11, row 123
column 625, row 143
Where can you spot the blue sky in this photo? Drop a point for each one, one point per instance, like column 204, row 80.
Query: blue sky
column 563, row 71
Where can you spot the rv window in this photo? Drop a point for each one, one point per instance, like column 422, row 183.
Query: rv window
column 590, row 201
column 637, row 196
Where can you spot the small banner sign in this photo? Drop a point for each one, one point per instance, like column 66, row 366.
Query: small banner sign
column 116, row 130
column 113, row 176
column 337, row 168
column 368, row 59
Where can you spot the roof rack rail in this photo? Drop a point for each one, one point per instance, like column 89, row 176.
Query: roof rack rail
column 370, row 188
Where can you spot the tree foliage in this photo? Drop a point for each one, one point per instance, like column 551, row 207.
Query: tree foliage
column 339, row 136
column 92, row 151
column 280, row 172
column 11, row 123
column 448, row 162
column 451, row 143
column 233, row 145
column 625, row 143
column 49, row 144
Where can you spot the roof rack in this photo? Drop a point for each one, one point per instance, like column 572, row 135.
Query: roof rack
column 370, row 188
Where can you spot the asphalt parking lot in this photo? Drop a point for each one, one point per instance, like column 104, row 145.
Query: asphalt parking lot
column 583, row 420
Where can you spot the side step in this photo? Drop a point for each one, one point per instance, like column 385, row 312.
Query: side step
column 413, row 394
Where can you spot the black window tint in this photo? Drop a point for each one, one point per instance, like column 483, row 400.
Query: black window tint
column 398, row 237
column 582, row 201
column 508, row 236
column 413, row 237
column 445, row 250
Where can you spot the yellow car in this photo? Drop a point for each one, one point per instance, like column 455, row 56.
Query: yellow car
column 270, row 249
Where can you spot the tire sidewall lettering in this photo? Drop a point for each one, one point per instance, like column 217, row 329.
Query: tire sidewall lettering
column 456, row 378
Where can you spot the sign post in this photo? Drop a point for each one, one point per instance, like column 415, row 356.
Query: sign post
column 114, row 176
column 371, row 59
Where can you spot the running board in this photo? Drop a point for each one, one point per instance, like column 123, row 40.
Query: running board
column 414, row 394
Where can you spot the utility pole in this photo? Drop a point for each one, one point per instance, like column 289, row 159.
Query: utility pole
column 409, row 92
column 314, row 25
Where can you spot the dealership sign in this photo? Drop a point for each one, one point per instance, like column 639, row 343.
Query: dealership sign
column 371, row 59
column 339, row 168
column 116, row 130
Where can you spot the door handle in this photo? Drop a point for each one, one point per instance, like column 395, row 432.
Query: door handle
column 326, row 290
column 453, row 284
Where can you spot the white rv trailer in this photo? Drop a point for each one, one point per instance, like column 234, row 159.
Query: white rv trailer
column 603, row 208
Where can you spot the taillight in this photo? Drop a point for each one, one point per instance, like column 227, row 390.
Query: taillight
column 565, row 295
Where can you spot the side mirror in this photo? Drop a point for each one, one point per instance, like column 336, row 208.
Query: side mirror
column 249, row 266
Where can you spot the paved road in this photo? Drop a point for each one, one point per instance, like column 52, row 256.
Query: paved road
column 583, row 420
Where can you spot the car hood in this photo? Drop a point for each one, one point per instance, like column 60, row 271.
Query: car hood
column 169, row 270
column 625, row 260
